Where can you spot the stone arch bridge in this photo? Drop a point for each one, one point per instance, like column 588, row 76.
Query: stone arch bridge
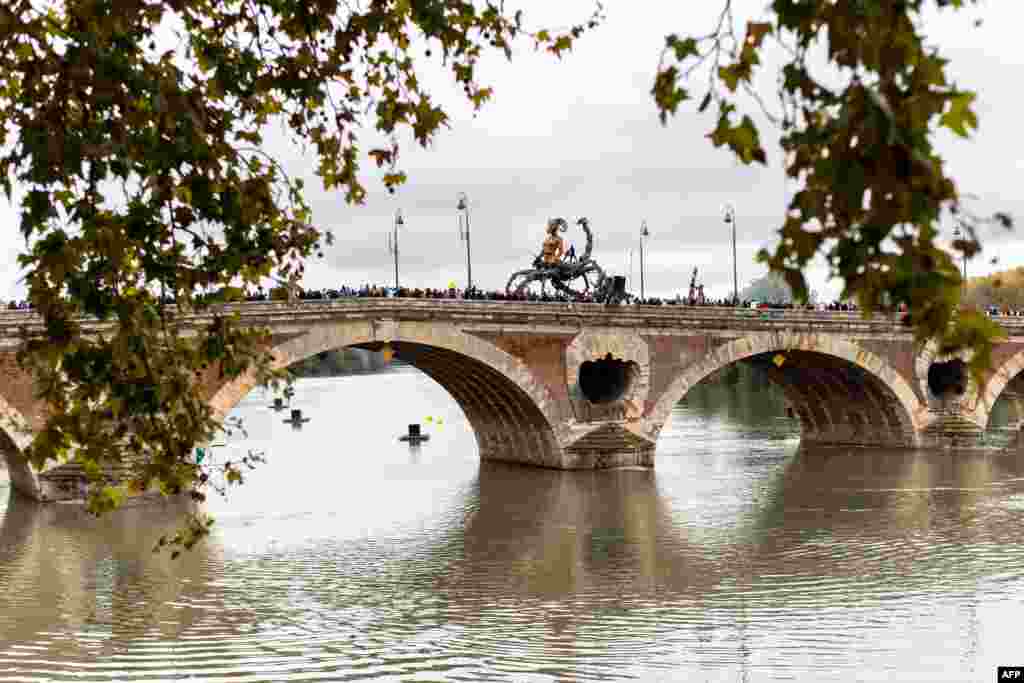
column 585, row 386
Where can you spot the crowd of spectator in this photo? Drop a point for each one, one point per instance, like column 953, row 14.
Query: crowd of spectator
column 475, row 294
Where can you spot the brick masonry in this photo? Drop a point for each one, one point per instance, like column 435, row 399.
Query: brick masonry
column 514, row 368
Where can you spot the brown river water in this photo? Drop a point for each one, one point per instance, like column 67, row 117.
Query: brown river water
column 349, row 556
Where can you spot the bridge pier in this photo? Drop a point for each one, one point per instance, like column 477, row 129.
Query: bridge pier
column 16, row 434
column 606, row 444
column 20, row 473
column 601, row 445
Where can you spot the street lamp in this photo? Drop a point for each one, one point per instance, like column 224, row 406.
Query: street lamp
column 463, row 206
column 730, row 218
column 393, row 243
column 956, row 235
column 629, row 258
column 644, row 234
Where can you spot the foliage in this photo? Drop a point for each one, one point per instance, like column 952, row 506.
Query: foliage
column 857, row 135
column 770, row 287
column 133, row 134
column 1003, row 289
column 740, row 389
column 339, row 362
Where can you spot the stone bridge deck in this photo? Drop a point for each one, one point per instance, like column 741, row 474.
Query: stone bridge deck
column 576, row 386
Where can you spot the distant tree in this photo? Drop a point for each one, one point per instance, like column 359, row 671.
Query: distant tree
column 856, row 132
column 770, row 287
column 1005, row 288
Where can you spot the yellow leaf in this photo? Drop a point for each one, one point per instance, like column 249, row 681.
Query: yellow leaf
column 779, row 359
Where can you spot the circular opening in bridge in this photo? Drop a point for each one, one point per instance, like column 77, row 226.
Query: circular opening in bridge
column 607, row 379
column 948, row 376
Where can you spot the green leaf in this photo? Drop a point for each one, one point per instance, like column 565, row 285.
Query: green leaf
column 684, row 48
column 731, row 75
column 667, row 95
column 960, row 117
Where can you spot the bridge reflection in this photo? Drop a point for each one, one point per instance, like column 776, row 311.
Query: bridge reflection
column 566, row 561
column 64, row 570
column 838, row 513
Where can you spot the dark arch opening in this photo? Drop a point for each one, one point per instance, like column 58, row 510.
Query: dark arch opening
column 948, row 377
column 836, row 401
column 507, row 423
column 607, row 379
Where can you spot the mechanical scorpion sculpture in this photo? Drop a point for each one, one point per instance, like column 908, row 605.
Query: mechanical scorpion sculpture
column 551, row 266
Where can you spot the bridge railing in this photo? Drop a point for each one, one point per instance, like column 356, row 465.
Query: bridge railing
column 261, row 312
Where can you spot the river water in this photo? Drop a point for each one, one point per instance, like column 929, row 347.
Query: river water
column 349, row 556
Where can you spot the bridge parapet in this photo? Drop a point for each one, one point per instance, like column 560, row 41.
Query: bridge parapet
column 282, row 315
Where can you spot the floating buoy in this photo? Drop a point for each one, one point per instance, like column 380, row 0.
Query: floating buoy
column 414, row 436
column 278, row 404
column 296, row 420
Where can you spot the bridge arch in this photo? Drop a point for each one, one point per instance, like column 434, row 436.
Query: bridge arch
column 840, row 391
column 1006, row 374
column 513, row 415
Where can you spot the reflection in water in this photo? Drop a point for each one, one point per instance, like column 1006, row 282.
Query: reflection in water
column 351, row 556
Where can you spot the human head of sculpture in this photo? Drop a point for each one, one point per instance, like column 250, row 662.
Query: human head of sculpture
column 556, row 224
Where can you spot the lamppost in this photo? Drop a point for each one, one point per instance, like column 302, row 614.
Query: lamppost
column 463, row 206
column 730, row 218
column 644, row 234
column 629, row 256
column 956, row 236
column 393, row 242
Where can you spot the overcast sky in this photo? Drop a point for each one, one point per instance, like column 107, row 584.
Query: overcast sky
column 580, row 137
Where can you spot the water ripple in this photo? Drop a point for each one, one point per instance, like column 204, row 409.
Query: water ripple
column 740, row 557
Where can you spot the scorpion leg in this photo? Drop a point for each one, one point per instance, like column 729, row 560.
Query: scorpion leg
column 526, row 277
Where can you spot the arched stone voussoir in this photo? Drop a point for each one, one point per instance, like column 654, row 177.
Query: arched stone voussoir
column 336, row 335
column 911, row 413
column 995, row 386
